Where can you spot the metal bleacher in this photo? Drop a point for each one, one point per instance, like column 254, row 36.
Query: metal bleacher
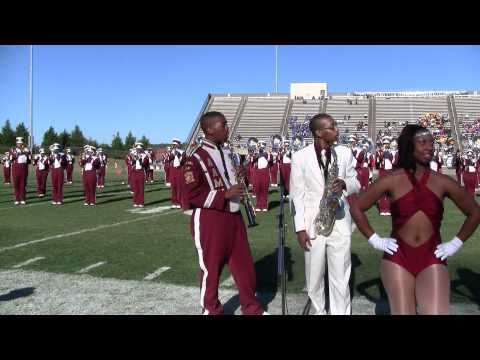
column 262, row 116
column 468, row 109
column 340, row 109
column 227, row 105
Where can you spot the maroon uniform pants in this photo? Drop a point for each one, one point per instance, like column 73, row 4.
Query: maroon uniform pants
column 176, row 181
column 57, row 184
column 166, row 167
column 19, row 174
column 285, row 174
column 362, row 175
column 251, row 178
column 101, row 176
column 262, row 181
column 129, row 179
column 384, row 202
column 459, row 176
column 89, row 186
column 221, row 239
column 41, row 181
column 6, row 174
column 138, row 186
column 148, row 175
column 70, row 172
column 273, row 173
column 470, row 181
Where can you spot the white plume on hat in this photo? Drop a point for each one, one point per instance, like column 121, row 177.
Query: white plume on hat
column 19, row 140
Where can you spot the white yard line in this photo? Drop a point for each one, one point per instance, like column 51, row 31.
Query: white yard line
column 28, row 262
column 59, row 236
column 156, row 273
column 90, row 267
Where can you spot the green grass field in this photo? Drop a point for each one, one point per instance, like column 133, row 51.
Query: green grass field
column 134, row 245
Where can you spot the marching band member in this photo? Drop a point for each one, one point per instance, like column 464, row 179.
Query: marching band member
column 90, row 164
column 436, row 162
column 19, row 156
column 217, row 227
column 386, row 166
column 102, row 158
column 151, row 166
column 7, row 168
column 176, row 158
column 262, row 177
column 139, row 164
column 58, row 164
column 274, row 155
column 478, row 173
column 70, row 162
column 285, row 163
column 458, row 164
column 167, row 166
column 362, row 163
column 469, row 173
column 42, row 163
column 128, row 163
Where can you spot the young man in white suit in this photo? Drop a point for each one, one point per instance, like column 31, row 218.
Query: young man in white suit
column 307, row 184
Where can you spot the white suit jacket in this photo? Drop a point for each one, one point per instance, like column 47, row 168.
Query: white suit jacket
column 307, row 185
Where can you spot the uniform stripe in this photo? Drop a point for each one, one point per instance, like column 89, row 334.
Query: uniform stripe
column 93, row 266
column 28, row 262
column 196, row 223
column 210, row 198
column 204, row 168
column 156, row 273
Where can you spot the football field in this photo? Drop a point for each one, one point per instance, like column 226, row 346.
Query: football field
column 151, row 248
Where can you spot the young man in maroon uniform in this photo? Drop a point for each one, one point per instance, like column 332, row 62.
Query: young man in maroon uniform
column 386, row 166
column 42, row 164
column 469, row 173
column 362, row 166
column 7, row 168
column 90, row 164
column 70, row 162
column 150, row 167
column 19, row 157
column 139, row 164
column 57, row 164
column 217, row 226
column 166, row 166
column 285, row 163
column 274, row 161
column 261, row 178
column 102, row 158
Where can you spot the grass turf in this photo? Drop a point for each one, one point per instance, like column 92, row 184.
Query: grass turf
column 134, row 250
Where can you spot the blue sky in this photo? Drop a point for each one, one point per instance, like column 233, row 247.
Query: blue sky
column 158, row 90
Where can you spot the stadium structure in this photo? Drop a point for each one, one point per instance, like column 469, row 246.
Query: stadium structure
column 262, row 115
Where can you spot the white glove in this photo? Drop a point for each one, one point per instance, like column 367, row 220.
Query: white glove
column 388, row 245
column 448, row 249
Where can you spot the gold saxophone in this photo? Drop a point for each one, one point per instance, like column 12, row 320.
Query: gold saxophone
column 330, row 201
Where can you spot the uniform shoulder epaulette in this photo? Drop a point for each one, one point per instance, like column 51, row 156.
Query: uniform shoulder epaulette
column 192, row 150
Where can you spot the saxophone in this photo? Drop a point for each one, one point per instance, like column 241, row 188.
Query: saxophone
column 330, row 201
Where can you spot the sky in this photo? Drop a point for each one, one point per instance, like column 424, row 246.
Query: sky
column 158, row 90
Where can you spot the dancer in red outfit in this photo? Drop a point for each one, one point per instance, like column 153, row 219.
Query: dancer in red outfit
column 42, row 164
column 217, row 226
column 90, row 164
column 58, row 164
column 413, row 268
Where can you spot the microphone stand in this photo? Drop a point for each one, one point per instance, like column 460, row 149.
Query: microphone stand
column 281, row 249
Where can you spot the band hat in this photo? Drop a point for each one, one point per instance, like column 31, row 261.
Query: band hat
column 386, row 141
column 99, row 149
column 176, row 141
column 41, row 150
column 55, row 147
column 139, row 146
column 67, row 150
column 19, row 140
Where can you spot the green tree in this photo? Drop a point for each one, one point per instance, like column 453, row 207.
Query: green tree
column 49, row 138
column 77, row 139
column 117, row 142
column 21, row 131
column 145, row 142
column 7, row 137
column 130, row 140
column 92, row 142
column 64, row 139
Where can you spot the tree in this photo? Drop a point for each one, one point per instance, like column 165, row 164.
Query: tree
column 64, row 139
column 7, row 137
column 145, row 142
column 49, row 137
column 117, row 143
column 93, row 142
column 21, row 131
column 77, row 139
column 130, row 140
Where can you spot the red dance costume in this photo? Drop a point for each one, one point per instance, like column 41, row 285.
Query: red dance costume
column 420, row 198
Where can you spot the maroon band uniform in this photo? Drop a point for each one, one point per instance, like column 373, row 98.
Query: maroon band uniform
column 177, row 158
column 7, row 168
column 139, row 163
column 217, row 228
column 58, row 164
column 274, row 162
column 469, row 175
column 285, row 166
column 90, row 165
column 102, row 158
column 20, row 161
column 69, row 169
column 42, row 164
column 261, row 180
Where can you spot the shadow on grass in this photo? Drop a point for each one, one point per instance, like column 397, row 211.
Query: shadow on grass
column 267, row 280
column 471, row 281
column 17, row 293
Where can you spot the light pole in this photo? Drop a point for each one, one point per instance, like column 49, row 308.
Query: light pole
column 276, row 68
column 30, row 75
